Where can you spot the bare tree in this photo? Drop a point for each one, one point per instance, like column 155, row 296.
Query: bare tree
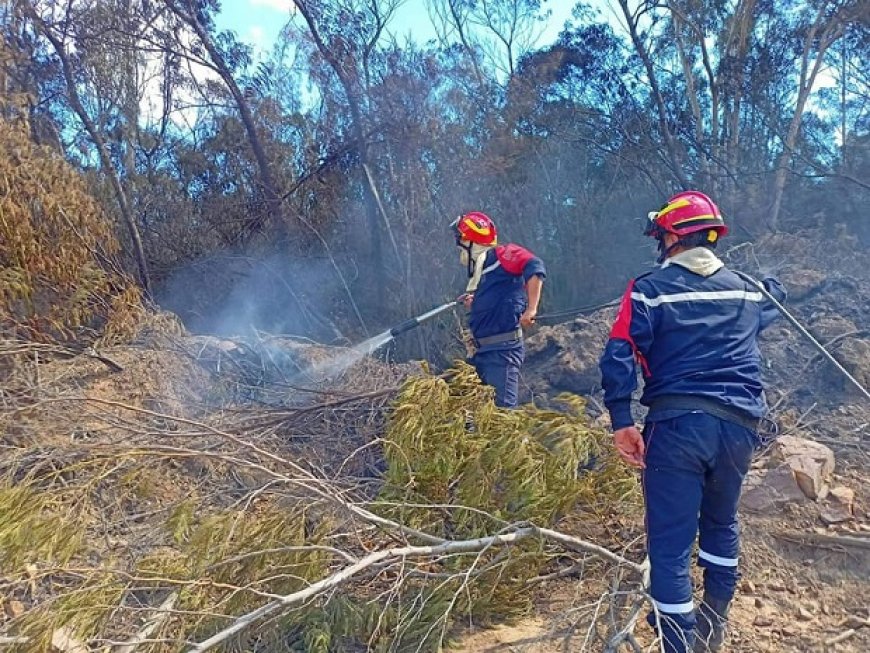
column 716, row 122
column 56, row 34
column 345, row 36
column 187, row 11
column 514, row 25
column 632, row 21
column 493, row 33
column 827, row 26
column 684, row 34
column 730, row 79
column 453, row 17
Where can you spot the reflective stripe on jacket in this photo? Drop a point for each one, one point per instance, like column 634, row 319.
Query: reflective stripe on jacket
column 692, row 335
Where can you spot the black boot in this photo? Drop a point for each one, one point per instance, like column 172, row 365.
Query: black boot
column 712, row 624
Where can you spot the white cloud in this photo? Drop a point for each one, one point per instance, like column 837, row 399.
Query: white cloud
column 285, row 6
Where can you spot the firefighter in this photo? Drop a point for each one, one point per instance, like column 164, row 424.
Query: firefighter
column 502, row 295
column 691, row 325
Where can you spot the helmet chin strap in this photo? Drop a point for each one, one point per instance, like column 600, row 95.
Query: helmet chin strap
column 466, row 257
column 697, row 239
column 665, row 252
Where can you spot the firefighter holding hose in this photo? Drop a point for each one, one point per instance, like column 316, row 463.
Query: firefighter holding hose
column 502, row 296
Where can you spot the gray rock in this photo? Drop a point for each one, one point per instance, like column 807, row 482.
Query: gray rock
column 811, row 462
column 767, row 491
column 839, row 506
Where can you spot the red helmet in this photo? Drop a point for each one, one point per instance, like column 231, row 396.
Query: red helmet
column 475, row 227
column 686, row 213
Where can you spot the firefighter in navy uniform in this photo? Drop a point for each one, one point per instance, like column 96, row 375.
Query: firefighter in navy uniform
column 692, row 326
column 502, row 294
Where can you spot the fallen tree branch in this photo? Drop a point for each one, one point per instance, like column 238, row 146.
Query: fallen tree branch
column 626, row 633
column 308, row 481
column 842, row 637
column 576, row 543
column 159, row 618
column 854, row 624
column 819, row 538
column 318, row 485
column 339, row 577
column 400, row 553
column 105, row 360
column 6, row 640
column 853, row 621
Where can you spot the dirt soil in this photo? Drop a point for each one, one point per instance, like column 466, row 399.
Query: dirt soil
column 797, row 594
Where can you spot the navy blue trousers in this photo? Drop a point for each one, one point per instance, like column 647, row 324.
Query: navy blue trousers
column 500, row 368
column 695, row 465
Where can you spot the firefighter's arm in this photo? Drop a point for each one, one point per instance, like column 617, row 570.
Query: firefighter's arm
column 619, row 379
column 534, row 273
column 533, row 288
column 769, row 312
column 629, row 342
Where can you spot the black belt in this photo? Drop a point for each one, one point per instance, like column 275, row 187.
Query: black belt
column 499, row 338
column 709, row 406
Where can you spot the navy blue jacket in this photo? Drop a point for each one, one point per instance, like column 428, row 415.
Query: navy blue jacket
column 500, row 298
column 693, row 336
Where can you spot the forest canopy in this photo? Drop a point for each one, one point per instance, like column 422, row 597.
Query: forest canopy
column 308, row 190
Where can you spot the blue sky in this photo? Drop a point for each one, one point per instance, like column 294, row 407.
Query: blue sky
column 258, row 22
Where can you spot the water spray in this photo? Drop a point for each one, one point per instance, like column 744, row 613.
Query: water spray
column 367, row 347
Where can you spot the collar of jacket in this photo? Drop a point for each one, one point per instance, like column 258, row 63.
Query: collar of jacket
column 699, row 260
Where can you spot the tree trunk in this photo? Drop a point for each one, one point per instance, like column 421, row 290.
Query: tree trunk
column 670, row 143
column 706, row 180
column 102, row 150
column 843, row 80
column 130, row 95
column 274, row 201
column 459, row 23
column 831, row 29
column 731, row 78
column 358, row 127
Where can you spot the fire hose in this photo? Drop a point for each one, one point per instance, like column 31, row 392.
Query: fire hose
column 414, row 322
column 574, row 312
column 802, row 330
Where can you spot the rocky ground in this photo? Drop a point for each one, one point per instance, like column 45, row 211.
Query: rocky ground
column 805, row 583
